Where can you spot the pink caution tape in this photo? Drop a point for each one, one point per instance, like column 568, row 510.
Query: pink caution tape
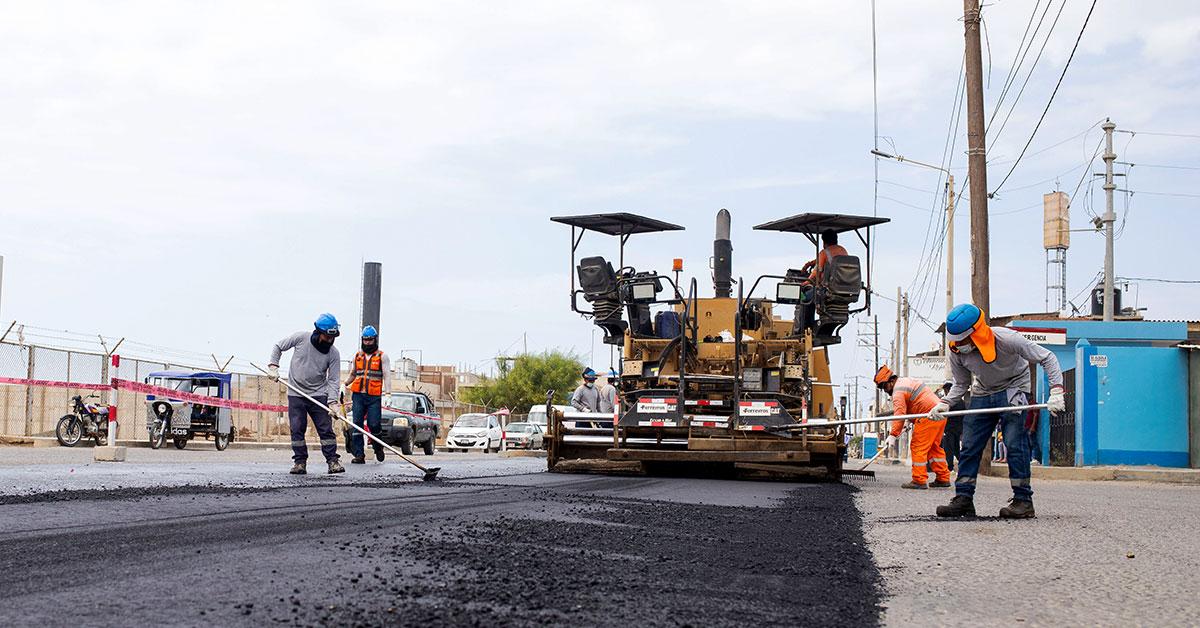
column 148, row 389
column 49, row 383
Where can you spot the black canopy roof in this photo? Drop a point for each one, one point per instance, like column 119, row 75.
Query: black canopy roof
column 617, row 224
column 813, row 224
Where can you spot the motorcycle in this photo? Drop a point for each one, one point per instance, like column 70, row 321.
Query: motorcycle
column 85, row 421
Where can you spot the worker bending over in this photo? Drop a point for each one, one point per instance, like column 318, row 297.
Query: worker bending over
column 369, row 381
column 911, row 396
column 586, row 398
column 314, row 369
column 998, row 359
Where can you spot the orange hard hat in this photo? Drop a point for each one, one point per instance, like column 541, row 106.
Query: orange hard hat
column 883, row 375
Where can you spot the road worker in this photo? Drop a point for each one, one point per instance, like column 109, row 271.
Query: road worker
column 998, row 359
column 370, row 379
column 586, row 398
column 829, row 250
column 608, row 393
column 911, row 396
column 314, row 369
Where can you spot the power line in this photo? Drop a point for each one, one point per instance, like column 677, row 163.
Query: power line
column 1179, row 194
column 1191, row 135
column 1157, row 280
column 1057, row 85
column 992, row 140
column 1014, row 67
column 1141, row 165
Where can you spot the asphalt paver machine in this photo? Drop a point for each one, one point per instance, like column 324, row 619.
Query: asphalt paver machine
column 720, row 383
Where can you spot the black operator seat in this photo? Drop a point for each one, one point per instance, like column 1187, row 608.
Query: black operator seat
column 841, row 283
column 598, row 281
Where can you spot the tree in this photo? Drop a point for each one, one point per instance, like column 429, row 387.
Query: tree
column 524, row 382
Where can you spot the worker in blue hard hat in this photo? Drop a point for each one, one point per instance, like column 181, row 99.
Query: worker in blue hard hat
column 314, row 369
column 586, row 398
column 608, row 393
column 370, row 379
column 997, row 360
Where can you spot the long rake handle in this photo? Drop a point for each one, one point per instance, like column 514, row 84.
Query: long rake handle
column 909, row 417
column 343, row 419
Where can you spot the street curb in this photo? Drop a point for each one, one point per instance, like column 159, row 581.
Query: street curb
column 523, row 453
column 1100, row 474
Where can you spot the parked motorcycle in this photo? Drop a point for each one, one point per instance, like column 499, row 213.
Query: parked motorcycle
column 86, row 421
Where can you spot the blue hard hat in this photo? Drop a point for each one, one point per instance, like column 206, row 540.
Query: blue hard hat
column 588, row 373
column 370, row 332
column 327, row 324
column 962, row 321
column 612, row 373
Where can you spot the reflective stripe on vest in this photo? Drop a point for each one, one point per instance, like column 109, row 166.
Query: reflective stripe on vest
column 368, row 373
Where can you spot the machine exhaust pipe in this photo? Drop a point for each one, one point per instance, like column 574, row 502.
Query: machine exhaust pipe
column 723, row 258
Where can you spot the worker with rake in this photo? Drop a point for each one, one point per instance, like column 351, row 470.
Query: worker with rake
column 912, row 396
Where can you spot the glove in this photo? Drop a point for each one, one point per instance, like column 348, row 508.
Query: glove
column 273, row 372
column 891, row 440
column 937, row 413
column 1056, row 403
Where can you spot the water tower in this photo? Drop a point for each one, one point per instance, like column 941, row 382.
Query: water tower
column 1056, row 238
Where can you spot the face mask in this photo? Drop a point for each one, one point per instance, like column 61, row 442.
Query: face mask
column 370, row 347
column 964, row 349
column 590, row 384
column 320, row 344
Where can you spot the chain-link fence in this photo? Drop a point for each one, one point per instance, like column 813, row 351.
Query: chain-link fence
column 33, row 410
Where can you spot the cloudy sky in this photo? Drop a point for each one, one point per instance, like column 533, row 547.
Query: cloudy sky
column 209, row 176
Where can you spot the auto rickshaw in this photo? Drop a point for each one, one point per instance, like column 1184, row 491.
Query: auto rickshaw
column 185, row 420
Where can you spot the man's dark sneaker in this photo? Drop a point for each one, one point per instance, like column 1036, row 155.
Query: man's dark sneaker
column 940, row 484
column 960, row 506
column 916, row 485
column 379, row 455
column 336, row 467
column 358, row 460
column 298, row 469
column 1017, row 509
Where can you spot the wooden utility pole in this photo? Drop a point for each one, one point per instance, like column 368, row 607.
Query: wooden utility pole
column 976, row 159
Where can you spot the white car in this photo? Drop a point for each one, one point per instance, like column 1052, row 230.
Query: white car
column 475, row 431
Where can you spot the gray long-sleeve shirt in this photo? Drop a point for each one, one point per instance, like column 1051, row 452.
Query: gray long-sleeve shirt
column 1009, row 371
column 310, row 370
column 586, row 399
column 608, row 398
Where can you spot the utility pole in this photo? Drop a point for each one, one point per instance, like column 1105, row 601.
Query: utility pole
column 976, row 158
column 877, row 391
column 1109, row 219
column 949, row 264
column 904, row 349
column 896, row 344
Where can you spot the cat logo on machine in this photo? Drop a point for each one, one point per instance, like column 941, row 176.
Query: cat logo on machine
column 649, row 405
column 758, row 408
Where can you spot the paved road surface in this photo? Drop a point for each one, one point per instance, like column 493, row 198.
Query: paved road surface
column 527, row 549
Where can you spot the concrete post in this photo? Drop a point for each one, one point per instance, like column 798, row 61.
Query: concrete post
column 111, row 452
column 29, row 393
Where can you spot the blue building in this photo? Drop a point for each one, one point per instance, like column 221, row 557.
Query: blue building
column 1128, row 382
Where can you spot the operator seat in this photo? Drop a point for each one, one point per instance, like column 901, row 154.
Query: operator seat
column 598, row 281
column 839, row 288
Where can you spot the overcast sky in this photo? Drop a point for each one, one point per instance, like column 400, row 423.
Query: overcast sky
column 209, row 176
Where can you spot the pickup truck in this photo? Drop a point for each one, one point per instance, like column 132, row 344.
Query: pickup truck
column 408, row 419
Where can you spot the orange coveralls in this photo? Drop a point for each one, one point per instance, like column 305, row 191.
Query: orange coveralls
column 911, row 396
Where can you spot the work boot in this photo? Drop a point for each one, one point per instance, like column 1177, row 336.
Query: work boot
column 336, row 467
column 379, row 455
column 940, row 484
column 298, row 469
column 916, row 485
column 960, row 506
column 357, row 460
column 1017, row 509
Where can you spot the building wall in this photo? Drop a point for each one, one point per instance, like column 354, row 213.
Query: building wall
column 1135, row 410
column 1194, row 406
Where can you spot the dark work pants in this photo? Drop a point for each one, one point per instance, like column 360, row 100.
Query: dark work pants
column 978, row 430
column 952, row 440
column 299, row 410
column 367, row 409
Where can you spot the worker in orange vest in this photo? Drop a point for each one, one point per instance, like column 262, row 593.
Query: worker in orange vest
column 369, row 381
column 911, row 396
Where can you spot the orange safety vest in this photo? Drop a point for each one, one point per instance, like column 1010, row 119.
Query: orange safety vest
column 368, row 373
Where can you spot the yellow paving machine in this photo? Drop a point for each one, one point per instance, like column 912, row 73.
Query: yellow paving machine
column 713, row 384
